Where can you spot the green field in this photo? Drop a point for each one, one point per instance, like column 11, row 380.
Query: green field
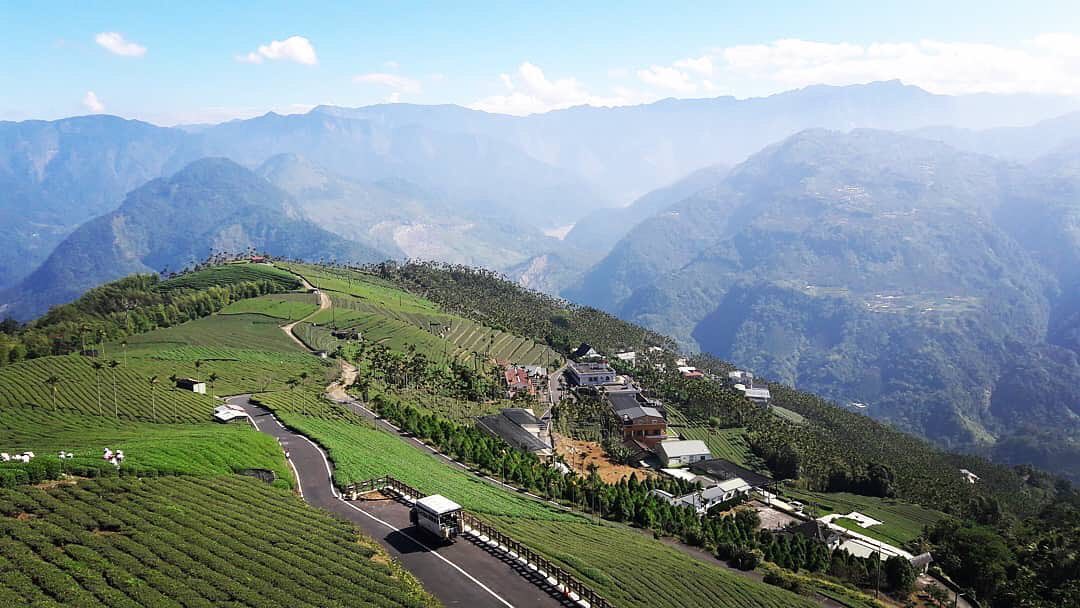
column 187, row 542
column 228, row 274
column 729, row 444
column 242, row 331
column 284, row 306
column 399, row 319
column 609, row 557
column 902, row 522
column 787, row 414
column 195, row 449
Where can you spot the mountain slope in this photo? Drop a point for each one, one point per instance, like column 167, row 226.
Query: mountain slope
column 212, row 204
column 867, row 267
column 56, row 175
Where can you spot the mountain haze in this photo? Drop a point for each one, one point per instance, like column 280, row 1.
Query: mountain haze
column 210, row 205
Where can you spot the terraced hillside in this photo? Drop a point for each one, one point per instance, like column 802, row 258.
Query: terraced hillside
column 191, row 542
column 398, row 319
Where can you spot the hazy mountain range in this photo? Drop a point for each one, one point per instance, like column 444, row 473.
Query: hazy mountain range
column 873, row 243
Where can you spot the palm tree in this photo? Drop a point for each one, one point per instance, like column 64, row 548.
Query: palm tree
column 123, row 345
column 198, row 364
column 53, row 382
column 153, row 380
column 211, row 379
column 98, row 366
column 113, row 364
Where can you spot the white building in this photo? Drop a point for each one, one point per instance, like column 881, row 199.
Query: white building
column 229, row 412
column 681, row 453
column 708, row 498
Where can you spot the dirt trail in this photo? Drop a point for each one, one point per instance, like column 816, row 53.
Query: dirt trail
column 324, row 304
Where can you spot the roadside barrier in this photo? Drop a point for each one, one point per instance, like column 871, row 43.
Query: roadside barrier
column 484, row 533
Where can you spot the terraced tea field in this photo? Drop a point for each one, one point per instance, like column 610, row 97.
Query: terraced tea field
column 241, row 331
column 228, row 274
column 284, row 306
column 191, row 542
column 633, row 570
column 194, row 449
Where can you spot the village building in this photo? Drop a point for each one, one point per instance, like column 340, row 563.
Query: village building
column 519, row 428
column 677, row 453
column 345, row 334
column 819, row 532
column 589, row 373
column 190, row 384
column 585, row 352
column 760, row 396
column 639, row 419
column 688, row 371
column 707, row 498
column 518, row 382
column 723, row 470
column 629, row 357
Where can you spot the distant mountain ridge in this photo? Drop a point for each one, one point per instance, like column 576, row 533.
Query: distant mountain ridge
column 873, row 267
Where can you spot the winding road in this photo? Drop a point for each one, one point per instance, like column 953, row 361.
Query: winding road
column 460, row 574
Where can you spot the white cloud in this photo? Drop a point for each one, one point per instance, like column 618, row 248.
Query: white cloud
column 293, row 48
column 529, row 91
column 115, row 43
column 667, row 78
column 702, row 65
column 1048, row 63
column 400, row 84
column 391, row 65
column 91, row 102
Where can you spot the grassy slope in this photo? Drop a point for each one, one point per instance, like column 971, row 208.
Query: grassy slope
column 397, row 318
column 286, row 306
column 610, row 557
column 901, row 521
column 187, row 542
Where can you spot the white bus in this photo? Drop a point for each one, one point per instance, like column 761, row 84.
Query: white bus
column 437, row 515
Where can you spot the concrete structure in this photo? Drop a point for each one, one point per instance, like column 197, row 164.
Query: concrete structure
column 519, row 428
column 679, row 453
column 589, row 374
column 707, row 498
column 190, row 384
column 229, row 413
column 585, row 352
column 627, row 357
column 688, row 371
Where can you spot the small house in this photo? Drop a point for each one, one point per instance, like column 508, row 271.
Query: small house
column 191, row 384
column 820, row 532
column 707, row 498
column 628, row 357
column 584, row 352
column 589, row 374
column 687, row 371
column 679, row 453
column 517, row 382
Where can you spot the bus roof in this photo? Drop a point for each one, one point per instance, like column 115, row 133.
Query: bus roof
column 436, row 503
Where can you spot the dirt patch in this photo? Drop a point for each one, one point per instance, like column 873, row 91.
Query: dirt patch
column 572, row 450
column 773, row 519
column 24, row 516
column 337, row 390
column 55, row 483
column 374, row 495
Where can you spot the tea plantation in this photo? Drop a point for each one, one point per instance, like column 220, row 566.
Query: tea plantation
column 191, row 542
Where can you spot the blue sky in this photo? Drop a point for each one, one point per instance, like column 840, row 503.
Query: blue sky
column 201, row 61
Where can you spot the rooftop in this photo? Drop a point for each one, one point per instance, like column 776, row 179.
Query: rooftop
column 502, row 426
column 438, row 503
column 677, row 448
column 520, row 416
column 725, row 469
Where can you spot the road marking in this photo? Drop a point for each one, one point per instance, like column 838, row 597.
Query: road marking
column 433, row 552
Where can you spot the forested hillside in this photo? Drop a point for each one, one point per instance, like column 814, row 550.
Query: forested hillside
column 870, row 267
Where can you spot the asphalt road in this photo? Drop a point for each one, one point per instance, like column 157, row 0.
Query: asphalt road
column 459, row 574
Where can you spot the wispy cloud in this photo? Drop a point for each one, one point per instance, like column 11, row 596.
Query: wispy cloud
column 92, row 103
column 668, row 78
column 530, row 91
column 116, row 44
column 294, row 48
column 396, row 82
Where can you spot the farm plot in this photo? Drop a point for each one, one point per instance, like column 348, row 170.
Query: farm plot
column 729, row 444
column 243, row 331
column 284, row 306
column 362, row 286
column 229, row 274
column 195, row 449
column 185, row 541
column 610, row 559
